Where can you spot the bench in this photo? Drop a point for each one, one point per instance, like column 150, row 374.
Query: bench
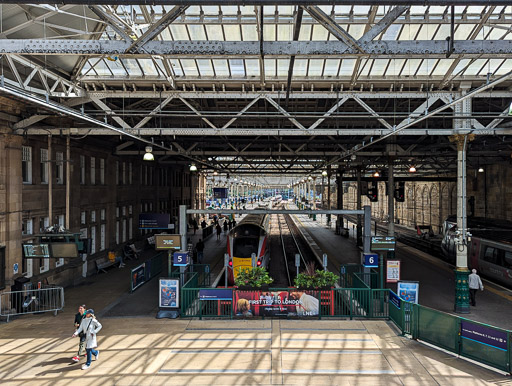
column 103, row 263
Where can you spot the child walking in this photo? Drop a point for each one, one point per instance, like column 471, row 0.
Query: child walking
column 90, row 326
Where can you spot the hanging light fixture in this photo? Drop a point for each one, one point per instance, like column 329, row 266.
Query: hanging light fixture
column 148, row 156
column 480, row 169
column 193, row 168
column 324, row 173
column 376, row 174
column 412, row 169
column 215, row 173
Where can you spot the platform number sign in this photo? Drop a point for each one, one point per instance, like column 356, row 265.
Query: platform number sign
column 371, row 260
column 180, row 259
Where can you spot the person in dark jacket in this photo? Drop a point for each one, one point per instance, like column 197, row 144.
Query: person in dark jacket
column 225, row 225
column 200, row 249
column 78, row 319
column 219, row 231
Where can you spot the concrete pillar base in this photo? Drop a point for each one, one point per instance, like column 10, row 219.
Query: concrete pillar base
column 461, row 291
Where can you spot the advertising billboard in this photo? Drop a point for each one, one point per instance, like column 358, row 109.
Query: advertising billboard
column 408, row 291
column 138, row 276
column 220, row 193
column 154, row 221
column 276, row 303
column 169, row 293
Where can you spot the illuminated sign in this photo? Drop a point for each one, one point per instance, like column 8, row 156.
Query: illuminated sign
column 167, row 241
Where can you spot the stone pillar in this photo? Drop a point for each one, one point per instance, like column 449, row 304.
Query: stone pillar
column 11, row 203
column 359, row 233
column 391, row 200
column 314, row 193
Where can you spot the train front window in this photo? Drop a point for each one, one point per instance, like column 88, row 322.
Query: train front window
column 491, row 255
column 245, row 246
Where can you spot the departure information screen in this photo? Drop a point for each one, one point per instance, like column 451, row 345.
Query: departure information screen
column 36, row 250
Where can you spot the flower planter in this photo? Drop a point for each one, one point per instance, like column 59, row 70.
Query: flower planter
column 251, row 288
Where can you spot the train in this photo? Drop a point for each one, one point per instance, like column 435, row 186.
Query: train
column 249, row 236
column 489, row 250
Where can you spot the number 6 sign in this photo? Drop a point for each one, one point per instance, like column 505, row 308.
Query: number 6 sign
column 371, row 260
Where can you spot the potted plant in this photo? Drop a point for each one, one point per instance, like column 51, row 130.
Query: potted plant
column 256, row 277
column 312, row 278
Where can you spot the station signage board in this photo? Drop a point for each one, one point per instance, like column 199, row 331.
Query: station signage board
column 64, row 250
column 216, row 294
column 220, row 193
column 36, row 251
column 371, row 260
column 154, row 221
column 383, row 243
column 392, row 271
column 180, row 259
column 484, row 335
column 167, row 242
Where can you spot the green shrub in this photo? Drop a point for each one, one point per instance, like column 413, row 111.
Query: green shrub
column 253, row 277
column 315, row 279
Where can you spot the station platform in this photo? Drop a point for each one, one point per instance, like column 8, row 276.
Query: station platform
column 436, row 277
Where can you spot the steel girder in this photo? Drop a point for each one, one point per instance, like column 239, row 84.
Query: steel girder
column 390, row 49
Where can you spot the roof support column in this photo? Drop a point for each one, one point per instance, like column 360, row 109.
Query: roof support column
column 359, row 235
column 391, row 199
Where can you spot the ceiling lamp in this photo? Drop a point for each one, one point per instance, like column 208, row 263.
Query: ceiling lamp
column 376, row 174
column 412, row 169
column 310, row 178
column 148, row 156
column 324, row 173
column 215, row 173
column 193, row 168
column 480, row 169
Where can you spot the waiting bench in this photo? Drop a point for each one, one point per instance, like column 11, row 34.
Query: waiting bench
column 103, row 263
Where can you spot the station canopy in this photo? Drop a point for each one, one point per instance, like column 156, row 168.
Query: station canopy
column 273, row 91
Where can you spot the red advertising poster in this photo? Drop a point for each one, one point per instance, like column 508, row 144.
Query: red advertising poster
column 276, row 303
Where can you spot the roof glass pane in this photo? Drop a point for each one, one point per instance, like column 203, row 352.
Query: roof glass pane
column 229, row 9
column 410, row 67
column 356, row 30
column 305, row 32
column 283, row 65
column 205, row 67
column 426, row 67
column 326, row 8
column 316, row 67
column 285, row 32
column 331, row 67
column 497, row 33
column 270, row 67
column 269, row 10
column 192, row 10
column 196, row 32
column 462, row 64
column 237, row 67
column 247, row 10
column 319, row 33
column 286, row 10
column 475, row 9
column 409, row 31
column 506, row 67
column 347, row 67
column 102, row 69
column 332, row 37
column 189, row 67
column 148, row 67
column 365, row 69
column 345, row 9
column 269, row 32
column 253, row 67
column 418, row 10
column 232, row 32
column 176, row 67
column 132, row 67
column 249, row 32
column 214, row 32
column 361, row 9
column 221, row 67
column 491, row 66
column 86, row 68
column 210, row 10
column 442, row 67
column 379, row 66
column 179, row 32
column 394, row 67
column 391, row 32
column 437, row 10
column 424, row 33
column 166, row 34
column 474, row 67
column 463, row 30
column 300, row 67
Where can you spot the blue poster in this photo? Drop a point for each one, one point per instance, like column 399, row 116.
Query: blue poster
column 169, row 293
column 483, row 334
column 138, row 276
column 395, row 300
column 216, row 294
column 408, row 291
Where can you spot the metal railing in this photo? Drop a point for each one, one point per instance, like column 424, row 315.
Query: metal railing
column 49, row 299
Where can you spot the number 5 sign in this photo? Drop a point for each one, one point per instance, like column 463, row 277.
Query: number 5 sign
column 180, row 259
column 371, row 260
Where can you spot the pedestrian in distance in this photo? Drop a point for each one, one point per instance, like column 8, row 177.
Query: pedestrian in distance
column 194, row 225
column 475, row 284
column 219, row 231
column 80, row 315
column 90, row 326
column 200, row 249
column 225, row 225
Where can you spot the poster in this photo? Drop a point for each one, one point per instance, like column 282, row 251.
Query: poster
column 276, row 303
column 408, row 291
column 138, row 276
column 483, row 334
column 169, row 292
column 392, row 271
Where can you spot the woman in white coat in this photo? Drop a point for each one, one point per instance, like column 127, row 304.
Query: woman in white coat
column 90, row 326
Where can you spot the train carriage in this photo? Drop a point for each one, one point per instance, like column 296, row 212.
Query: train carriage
column 248, row 237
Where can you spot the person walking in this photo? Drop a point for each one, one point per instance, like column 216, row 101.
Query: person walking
column 90, row 326
column 219, row 231
column 78, row 319
column 225, row 225
column 194, row 225
column 475, row 283
column 200, row 249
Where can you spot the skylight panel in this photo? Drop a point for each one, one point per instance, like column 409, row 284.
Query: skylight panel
column 221, row 67
column 436, row 10
column 331, row 67
column 285, row 10
column 132, row 67
column 345, row 10
column 443, row 32
column 229, row 9
column 410, row 67
column 316, row 67
column 319, row 33
column 237, row 67
column 102, row 69
column 148, row 67
column 305, row 32
column 395, row 67
column 176, row 66
column 269, row 32
column 210, row 9
column 300, row 67
column 442, row 67
column 269, row 10
column 205, row 67
column 214, row 32
column 505, row 67
column 474, row 68
column 285, row 32
column 426, row 67
column 463, row 31
column 418, row 10
column 379, row 67
column 409, row 31
column 189, row 67
column 356, row 31
column 366, row 68
column 247, row 10
column 232, row 32
column 497, row 33
column 270, row 67
column 347, row 67
column 332, row 37
column 361, row 9
column 391, row 32
column 192, row 10
column 196, row 32
column 179, row 32
column 462, row 64
column 249, row 32
column 253, row 67
column 283, row 65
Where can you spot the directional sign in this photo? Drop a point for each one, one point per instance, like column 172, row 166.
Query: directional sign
column 180, row 259
column 371, row 260
column 167, row 242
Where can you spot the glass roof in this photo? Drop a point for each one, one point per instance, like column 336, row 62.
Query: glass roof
column 240, row 23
